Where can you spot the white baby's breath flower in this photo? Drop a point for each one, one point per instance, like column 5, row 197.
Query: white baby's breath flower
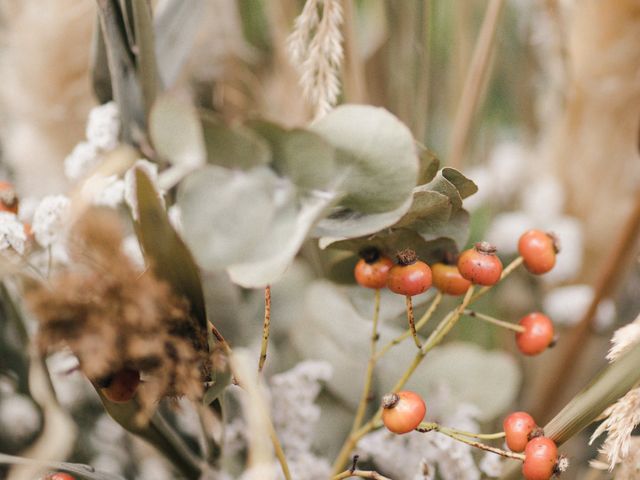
column 12, row 234
column 82, row 160
column 50, row 219
column 151, row 170
column 103, row 126
column 19, row 418
column 566, row 306
column 294, row 412
column 623, row 339
column 568, row 230
column 508, row 167
column 623, row 416
column 491, row 464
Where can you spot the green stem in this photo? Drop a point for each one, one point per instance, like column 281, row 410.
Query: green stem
column 412, row 324
column 495, row 321
column 452, row 433
column 366, row 391
column 419, row 324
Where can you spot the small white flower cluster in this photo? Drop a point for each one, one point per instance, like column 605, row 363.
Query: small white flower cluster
column 12, row 233
column 50, row 220
column 419, row 455
column 293, row 395
column 103, row 128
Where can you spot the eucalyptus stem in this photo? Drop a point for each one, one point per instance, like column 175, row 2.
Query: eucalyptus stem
column 265, row 328
column 494, row 321
column 366, row 391
column 460, row 437
column 412, row 324
column 419, row 324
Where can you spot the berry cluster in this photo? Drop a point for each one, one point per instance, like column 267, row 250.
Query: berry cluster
column 404, row 411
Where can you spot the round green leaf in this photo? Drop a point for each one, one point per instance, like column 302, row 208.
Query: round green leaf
column 379, row 152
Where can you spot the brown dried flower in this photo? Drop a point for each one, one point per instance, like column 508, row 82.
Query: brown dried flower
column 114, row 317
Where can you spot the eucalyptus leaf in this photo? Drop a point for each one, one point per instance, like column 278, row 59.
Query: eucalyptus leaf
column 378, row 151
column 176, row 132
column 429, row 165
column 427, row 206
column 344, row 223
column 464, row 186
column 171, row 260
column 176, row 24
column 302, row 156
column 455, row 228
column 276, row 250
column 441, row 185
column 226, row 213
column 233, row 147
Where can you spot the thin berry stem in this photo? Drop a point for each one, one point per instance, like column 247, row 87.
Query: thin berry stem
column 426, row 427
column 412, row 324
column 407, row 333
column 265, row 328
column 366, row 391
column 495, row 321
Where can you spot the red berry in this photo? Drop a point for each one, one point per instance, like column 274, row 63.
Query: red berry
column 448, row 280
column 403, row 411
column 517, row 428
column 480, row 264
column 60, row 476
column 541, row 456
column 8, row 198
column 123, row 385
column 410, row 276
column 537, row 336
column 372, row 269
column 538, row 250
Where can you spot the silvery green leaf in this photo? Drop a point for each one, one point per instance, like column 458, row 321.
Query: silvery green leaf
column 176, row 132
column 277, row 248
column 464, row 186
column 226, row 214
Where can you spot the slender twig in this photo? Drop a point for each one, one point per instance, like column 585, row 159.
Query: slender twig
column 474, row 83
column 494, row 321
column 361, row 474
column 412, row 325
column 609, row 278
column 366, row 391
column 220, row 338
column 434, row 427
column 265, row 327
column 277, row 447
column 419, row 324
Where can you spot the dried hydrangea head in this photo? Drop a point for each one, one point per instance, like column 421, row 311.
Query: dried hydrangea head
column 112, row 316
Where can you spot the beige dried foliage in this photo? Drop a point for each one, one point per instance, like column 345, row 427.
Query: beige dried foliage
column 593, row 143
column 45, row 89
column 622, row 417
column 623, row 339
column 114, row 317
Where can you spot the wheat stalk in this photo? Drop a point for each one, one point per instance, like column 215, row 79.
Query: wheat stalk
column 315, row 49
